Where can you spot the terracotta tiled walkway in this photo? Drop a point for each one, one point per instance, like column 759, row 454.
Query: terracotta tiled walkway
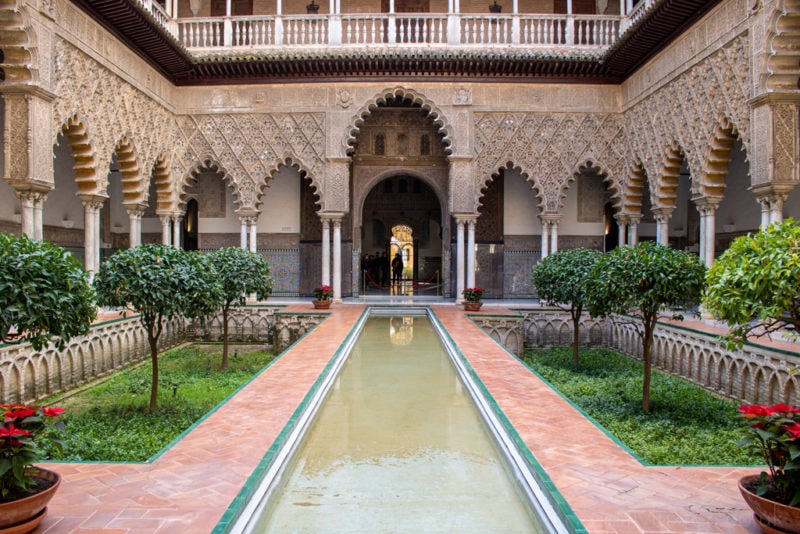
column 189, row 488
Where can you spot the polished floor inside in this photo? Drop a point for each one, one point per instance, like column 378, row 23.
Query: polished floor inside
column 190, row 486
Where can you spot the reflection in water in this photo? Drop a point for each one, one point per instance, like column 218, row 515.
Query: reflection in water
column 401, row 330
column 397, row 448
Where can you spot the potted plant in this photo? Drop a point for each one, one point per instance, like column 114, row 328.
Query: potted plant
column 773, row 433
column 322, row 296
column 472, row 298
column 25, row 489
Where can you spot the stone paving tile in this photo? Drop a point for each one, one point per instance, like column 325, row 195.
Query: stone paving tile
column 189, row 487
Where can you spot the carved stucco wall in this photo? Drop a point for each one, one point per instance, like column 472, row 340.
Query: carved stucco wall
column 250, row 147
column 687, row 113
column 549, row 149
column 110, row 109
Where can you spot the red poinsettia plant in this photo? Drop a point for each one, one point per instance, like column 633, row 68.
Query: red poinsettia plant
column 323, row 292
column 473, row 294
column 23, row 430
column 773, row 432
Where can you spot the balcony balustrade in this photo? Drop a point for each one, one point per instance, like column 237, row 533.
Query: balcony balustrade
column 210, row 34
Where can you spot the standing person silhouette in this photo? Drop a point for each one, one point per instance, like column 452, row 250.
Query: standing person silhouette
column 397, row 268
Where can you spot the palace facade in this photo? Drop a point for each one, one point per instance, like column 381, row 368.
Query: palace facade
column 472, row 139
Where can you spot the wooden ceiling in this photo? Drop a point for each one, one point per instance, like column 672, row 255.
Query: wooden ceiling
column 135, row 27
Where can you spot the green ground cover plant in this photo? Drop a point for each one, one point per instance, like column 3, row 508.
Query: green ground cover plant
column 687, row 425
column 111, row 420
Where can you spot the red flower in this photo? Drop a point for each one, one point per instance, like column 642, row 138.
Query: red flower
column 793, row 430
column 11, row 432
column 52, row 412
column 19, row 413
column 785, row 408
column 751, row 411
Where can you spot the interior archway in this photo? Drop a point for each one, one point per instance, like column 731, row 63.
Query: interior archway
column 401, row 214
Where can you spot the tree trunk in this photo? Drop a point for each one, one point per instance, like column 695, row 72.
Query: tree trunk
column 576, row 336
column 224, row 338
column 647, row 345
column 153, row 340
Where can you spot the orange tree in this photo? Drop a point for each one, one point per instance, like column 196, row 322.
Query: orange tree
column 159, row 283
column 754, row 286
column 559, row 280
column 241, row 273
column 45, row 294
column 636, row 284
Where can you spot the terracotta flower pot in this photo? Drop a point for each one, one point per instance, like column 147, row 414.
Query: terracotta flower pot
column 472, row 306
column 771, row 516
column 24, row 515
column 322, row 304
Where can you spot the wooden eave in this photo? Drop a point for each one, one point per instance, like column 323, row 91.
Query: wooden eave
column 138, row 30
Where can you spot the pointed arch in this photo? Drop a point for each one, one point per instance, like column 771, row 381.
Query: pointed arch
column 591, row 165
column 134, row 191
column 631, row 198
column 782, row 69
column 164, row 200
column 717, row 158
column 404, row 93
column 19, row 45
column 526, row 175
column 77, row 137
column 292, row 162
column 664, row 187
column 206, row 163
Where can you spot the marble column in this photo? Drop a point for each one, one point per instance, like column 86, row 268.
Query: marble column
column 91, row 230
column 252, row 225
column 662, row 217
column 38, row 213
column 166, row 230
column 176, row 230
column 459, row 259
column 471, row 253
column 633, row 231
column 553, row 236
column 545, row 238
column 26, row 199
column 337, row 259
column 243, row 232
column 622, row 233
column 707, row 211
column 326, row 251
column 135, row 214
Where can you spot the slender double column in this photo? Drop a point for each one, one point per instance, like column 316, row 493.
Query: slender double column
column 708, row 236
column 32, row 203
column 549, row 235
column 465, row 253
column 91, row 228
column 333, row 220
column 135, row 214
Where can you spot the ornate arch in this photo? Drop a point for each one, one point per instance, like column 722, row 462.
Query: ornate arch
column 77, row 137
column 163, row 186
column 782, row 70
column 134, row 190
column 209, row 163
column 612, row 184
column 510, row 166
column 434, row 112
column 664, row 189
column 716, row 161
column 295, row 163
column 19, row 44
column 631, row 192
column 359, row 199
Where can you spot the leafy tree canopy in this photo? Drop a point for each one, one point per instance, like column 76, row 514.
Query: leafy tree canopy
column 755, row 284
column 159, row 282
column 559, row 277
column 44, row 293
column 559, row 280
column 644, row 279
column 241, row 273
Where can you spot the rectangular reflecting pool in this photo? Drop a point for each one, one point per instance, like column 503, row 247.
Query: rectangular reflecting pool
column 397, row 445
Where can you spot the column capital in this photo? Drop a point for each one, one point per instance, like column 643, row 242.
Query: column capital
column 550, row 218
column 707, row 205
column 772, row 191
column 136, row 211
column 465, row 218
column 93, row 202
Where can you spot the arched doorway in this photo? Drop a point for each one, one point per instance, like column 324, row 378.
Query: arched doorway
column 401, row 215
column 399, row 185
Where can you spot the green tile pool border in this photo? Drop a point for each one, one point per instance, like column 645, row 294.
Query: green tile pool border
column 246, row 493
column 557, row 500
